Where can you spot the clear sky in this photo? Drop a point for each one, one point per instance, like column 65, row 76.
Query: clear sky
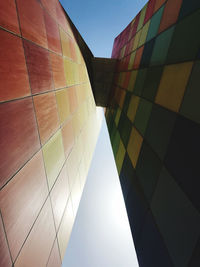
column 100, row 21
column 101, row 235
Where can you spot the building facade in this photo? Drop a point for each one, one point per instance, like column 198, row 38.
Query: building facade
column 153, row 120
column 49, row 126
column 48, row 131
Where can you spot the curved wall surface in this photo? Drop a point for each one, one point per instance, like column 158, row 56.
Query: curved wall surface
column 48, row 130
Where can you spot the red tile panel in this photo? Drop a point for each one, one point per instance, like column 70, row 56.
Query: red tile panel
column 47, row 115
column 58, row 71
column 54, row 260
column 61, row 17
column 13, row 72
column 53, row 35
column 39, row 68
column 136, row 23
column 21, row 200
column 37, row 247
column 50, row 6
column 60, row 195
column 32, row 21
column 19, row 138
column 8, row 16
column 68, row 137
column 170, row 14
column 5, row 260
column 72, row 99
column 158, row 4
column 150, row 10
column 138, row 57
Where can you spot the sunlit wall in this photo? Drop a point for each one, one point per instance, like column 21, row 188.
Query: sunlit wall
column 48, row 130
column 153, row 121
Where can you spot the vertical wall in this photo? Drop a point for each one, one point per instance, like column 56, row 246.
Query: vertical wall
column 48, row 130
column 153, row 121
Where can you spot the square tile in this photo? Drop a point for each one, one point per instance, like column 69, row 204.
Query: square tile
column 138, row 57
column 151, row 83
column 147, row 53
column 124, row 127
column 54, row 157
column 5, row 259
column 43, row 233
column 28, row 186
column 148, row 170
column 68, row 137
column 170, row 14
column 63, row 104
column 19, row 138
column 150, row 10
column 190, row 105
column 142, row 17
column 46, row 114
column 133, row 106
column 32, row 21
column 132, row 80
column 54, row 259
column 65, row 42
column 159, row 129
column 172, row 85
column 142, row 115
column 139, row 84
column 155, row 23
column 161, row 47
column 73, row 103
column 58, row 71
column 134, row 146
column 150, row 249
column 188, row 7
column 181, row 231
column 50, row 6
column 120, row 156
column 182, row 157
column 13, row 72
column 158, row 4
column 8, row 16
column 39, row 68
column 65, row 229
column 53, row 35
column 70, row 68
column 143, row 35
column 59, row 196
column 187, row 33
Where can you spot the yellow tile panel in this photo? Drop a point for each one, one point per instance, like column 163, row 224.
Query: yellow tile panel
column 65, row 43
column 54, row 157
column 143, row 35
column 133, row 106
column 173, row 84
column 132, row 80
column 136, row 40
column 63, row 104
column 134, row 146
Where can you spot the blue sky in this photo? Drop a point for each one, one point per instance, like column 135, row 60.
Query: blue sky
column 101, row 235
column 100, row 21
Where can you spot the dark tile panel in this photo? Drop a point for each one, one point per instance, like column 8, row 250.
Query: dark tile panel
column 159, row 129
column 150, row 249
column 182, row 157
column 148, row 170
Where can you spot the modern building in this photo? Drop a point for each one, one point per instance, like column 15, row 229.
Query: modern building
column 49, row 125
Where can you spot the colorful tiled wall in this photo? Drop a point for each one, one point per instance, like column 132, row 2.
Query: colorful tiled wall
column 48, row 131
column 153, row 121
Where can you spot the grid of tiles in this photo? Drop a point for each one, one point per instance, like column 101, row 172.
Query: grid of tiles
column 153, row 122
column 48, row 130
